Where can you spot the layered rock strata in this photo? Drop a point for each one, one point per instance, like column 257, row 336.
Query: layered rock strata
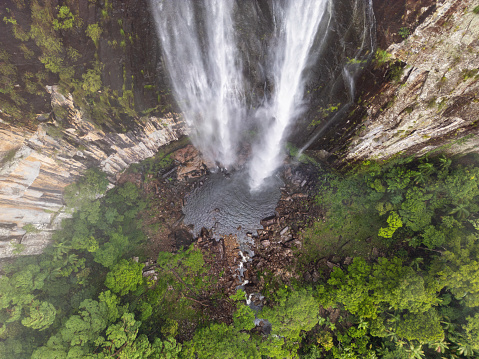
column 35, row 167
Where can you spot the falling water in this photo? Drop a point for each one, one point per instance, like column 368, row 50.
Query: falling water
column 355, row 64
column 202, row 60
column 297, row 22
column 206, row 62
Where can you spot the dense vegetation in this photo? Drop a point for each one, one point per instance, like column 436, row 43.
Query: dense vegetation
column 416, row 297
column 48, row 42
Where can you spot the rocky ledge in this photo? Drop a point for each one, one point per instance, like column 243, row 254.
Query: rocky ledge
column 36, row 165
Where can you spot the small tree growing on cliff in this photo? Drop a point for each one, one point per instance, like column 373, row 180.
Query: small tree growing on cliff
column 94, row 31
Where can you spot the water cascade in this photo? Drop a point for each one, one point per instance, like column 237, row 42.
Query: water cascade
column 206, row 74
column 250, row 76
column 364, row 15
column 297, row 25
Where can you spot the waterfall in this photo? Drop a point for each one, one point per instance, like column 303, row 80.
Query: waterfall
column 354, row 65
column 206, row 74
column 297, row 24
column 205, row 57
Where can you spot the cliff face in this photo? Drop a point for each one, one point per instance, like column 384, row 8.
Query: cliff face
column 37, row 165
column 81, row 86
column 422, row 95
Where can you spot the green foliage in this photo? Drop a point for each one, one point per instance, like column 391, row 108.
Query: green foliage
column 467, row 74
column 243, row 318
column 125, row 276
column 64, row 18
column 423, row 327
column 8, row 73
column 94, row 32
column 404, row 32
column 41, row 315
column 111, row 251
column 472, row 331
column 92, row 79
column 476, row 10
column 399, row 287
column 82, row 193
column 458, row 268
column 350, row 289
column 239, row 295
column 395, row 73
column 170, row 328
column 221, row 341
column 91, row 320
column 381, row 57
column 295, row 311
column 394, row 222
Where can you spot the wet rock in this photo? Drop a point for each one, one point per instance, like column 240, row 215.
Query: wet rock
column 315, row 276
column 204, row 233
column 299, row 195
column 149, row 273
column 181, row 238
column 169, row 173
column 307, row 277
column 179, row 220
column 33, row 180
column 265, row 243
column 192, row 165
column 268, row 221
column 284, row 231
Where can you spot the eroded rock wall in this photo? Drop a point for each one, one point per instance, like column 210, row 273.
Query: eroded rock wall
column 35, row 167
column 433, row 105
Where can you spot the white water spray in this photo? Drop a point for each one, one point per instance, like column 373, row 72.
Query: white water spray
column 298, row 24
column 352, row 69
column 202, row 61
column 200, row 51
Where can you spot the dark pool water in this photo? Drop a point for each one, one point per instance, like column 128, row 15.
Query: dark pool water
column 226, row 205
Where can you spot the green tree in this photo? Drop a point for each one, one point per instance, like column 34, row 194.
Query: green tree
column 92, row 80
column 64, row 18
column 85, row 327
column 295, row 311
column 122, row 341
column 243, row 318
column 109, row 253
column 458, row 268
column 423, row 327
column 86, row 190
column 394, row 222
column 94, row 32
column 220, row 341
column 41, row 315
column 350, row 289
column 126, row 276
column 472, row 331
column 400, row 287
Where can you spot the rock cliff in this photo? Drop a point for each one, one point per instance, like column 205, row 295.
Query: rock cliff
column 420, row 96
column 37, row 165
